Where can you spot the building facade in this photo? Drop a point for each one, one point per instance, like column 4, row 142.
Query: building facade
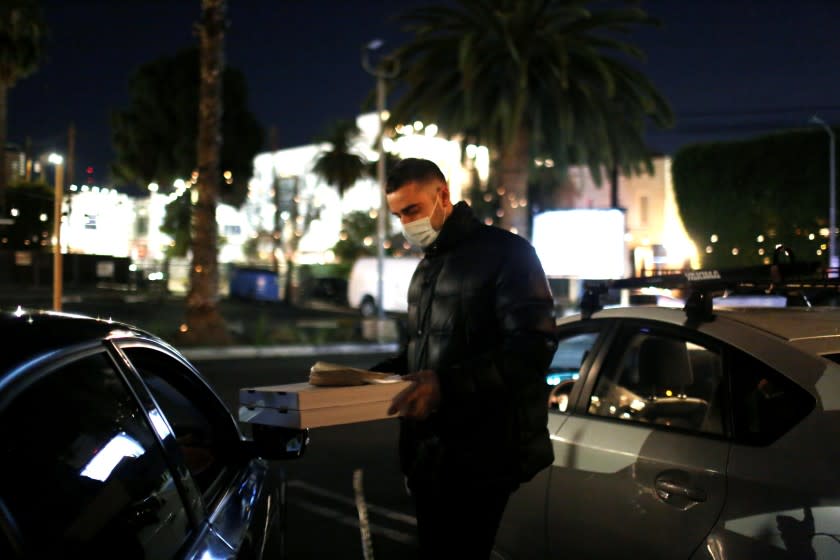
column 286, row 177
column 655, row 235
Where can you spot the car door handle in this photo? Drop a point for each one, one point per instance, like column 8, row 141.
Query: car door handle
column 667, row 488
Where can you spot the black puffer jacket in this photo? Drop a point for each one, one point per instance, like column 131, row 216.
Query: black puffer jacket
column 480, row 313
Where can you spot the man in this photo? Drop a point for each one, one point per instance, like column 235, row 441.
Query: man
column 480, row 339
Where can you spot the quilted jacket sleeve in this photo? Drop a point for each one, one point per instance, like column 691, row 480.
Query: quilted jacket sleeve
column 525, row 314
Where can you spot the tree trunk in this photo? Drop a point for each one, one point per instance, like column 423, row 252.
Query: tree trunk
column 514, row 181
column 204, row 322
column 289, row 285
column 292, row 246
column 4, row 91
column 614, row 175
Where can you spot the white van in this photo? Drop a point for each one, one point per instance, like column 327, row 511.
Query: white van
column 363, row 289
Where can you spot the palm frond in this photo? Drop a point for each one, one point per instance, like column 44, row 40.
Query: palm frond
column 564, row 71
column 339, row 165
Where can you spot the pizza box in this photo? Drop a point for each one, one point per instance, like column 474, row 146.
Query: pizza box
column 304, row 405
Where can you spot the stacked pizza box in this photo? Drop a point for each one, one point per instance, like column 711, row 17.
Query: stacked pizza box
column 335, row 394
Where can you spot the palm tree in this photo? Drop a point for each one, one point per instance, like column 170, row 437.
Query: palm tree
column 204, row 322
column 531, row 78
column 340, row 166
column 22, row 33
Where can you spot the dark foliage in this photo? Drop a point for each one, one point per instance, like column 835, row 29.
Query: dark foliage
column 155, row 136
column 754, row 195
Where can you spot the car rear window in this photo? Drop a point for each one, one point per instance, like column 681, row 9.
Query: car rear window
column 765, row 403
column 833, row 357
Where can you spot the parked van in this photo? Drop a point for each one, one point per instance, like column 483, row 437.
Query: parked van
column 362, row 287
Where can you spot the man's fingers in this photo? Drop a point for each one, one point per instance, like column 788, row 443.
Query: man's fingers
column 419, row 409
column 400, row 400
column 410, row 402
column 418, row 399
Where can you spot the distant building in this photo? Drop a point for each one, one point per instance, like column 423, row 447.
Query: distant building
column 98, row 221
column 655, row 235
column 102, row 221
column 291, row 170
column 14, row 164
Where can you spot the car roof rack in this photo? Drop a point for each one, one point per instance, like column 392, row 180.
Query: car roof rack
column 702, row 285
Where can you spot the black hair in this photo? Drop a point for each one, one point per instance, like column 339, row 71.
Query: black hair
column 412, row 170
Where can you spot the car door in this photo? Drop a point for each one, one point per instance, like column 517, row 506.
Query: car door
column 84, row 475
column 523, row 526
column 783, row 498
column 242, row 502
column 639, row 469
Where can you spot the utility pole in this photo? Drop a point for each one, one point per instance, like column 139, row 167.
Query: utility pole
column 275, row 184
column 833, row 261
column 28, row 156
column 58, row 271
column 386, row 68
column 71, row 154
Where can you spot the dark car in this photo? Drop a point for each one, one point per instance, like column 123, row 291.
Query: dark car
column 327, row 289
column 114, row 446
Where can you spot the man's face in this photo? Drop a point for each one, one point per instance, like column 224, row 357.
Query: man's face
column 414, row 201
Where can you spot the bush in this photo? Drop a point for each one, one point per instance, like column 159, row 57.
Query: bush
column 753, row 195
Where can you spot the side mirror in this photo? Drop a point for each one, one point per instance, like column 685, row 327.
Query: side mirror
column 277, row 442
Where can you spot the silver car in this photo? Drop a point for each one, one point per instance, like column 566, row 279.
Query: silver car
column 677, row 438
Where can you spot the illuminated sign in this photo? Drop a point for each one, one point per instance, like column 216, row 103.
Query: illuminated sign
column 581, row 243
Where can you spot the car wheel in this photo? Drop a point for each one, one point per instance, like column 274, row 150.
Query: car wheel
column 368, row 307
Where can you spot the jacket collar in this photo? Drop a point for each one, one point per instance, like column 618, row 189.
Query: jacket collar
column 460, row 225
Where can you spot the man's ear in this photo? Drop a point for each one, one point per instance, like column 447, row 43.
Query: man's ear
column 444, row 194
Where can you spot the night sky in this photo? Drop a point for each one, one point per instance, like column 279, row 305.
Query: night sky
column 730, row 68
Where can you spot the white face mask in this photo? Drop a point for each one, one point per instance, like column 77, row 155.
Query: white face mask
column 420, row 232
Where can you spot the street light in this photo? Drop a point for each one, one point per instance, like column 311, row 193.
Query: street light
column 832, row 204
column 58, row 271
column 385, row 69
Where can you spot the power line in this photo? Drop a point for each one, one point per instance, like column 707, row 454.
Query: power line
column 759, row 112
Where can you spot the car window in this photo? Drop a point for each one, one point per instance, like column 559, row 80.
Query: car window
column 83, row 472
column 658, row 378
column 10, row 547
column 202, row 426
column 833, row 357
column 765, row 403
column 564, row 371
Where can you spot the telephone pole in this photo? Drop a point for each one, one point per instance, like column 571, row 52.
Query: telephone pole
column 386, row 68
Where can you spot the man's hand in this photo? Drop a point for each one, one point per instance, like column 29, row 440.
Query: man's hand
column 419, row 399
